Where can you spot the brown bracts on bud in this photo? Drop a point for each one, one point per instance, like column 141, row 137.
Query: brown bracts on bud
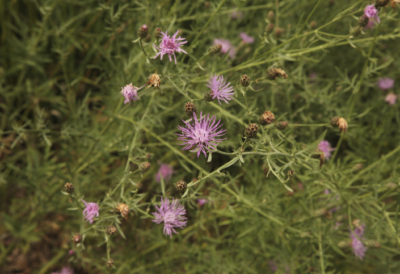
column 244, row 80
column 334, row 121
column 208, row 96
column 273, row 73
column 143, row 31
column 269, row 28
column 266, row 118
column 157, row 32
column 181, row 185
column 190, row 108
column 271, row 15
column 144, row 166
column 154, row 80
column 290, row 173
column 363, row 21
column 319, row 154
column 214, row 49
column 381, row 3
column 313, row 25
column 278, row 33
column 110, row 263
column 340, row 123
column 123, row 209
column 281, row 125
column 69, row 188
column 251, row 131
column 77, row 238
column 111, row 230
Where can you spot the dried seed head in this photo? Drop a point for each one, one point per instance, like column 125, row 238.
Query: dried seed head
column 290, row 173
column 273, row 73
column 77, row 238
column 139, row 185
column 208, row 96
column 334, row 121
column 251, row 131
column 271, row 15
column 190, row 108
column 278, row 33
column 157, row 32
column 269, row 28
column 143, row 31
column 69, row 188
column 143, row 166
column 215, row 48
column 110, row 263
column 111, row 230
column 181, row 185
column 154, row 80
column 245, row 80
column 282, row 125
column 363, row 21
column 267, row 118
column 313, row 25
column 381, row 3
column 123, row 209
column 342, row 124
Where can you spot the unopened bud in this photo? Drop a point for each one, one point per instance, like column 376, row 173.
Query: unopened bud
column 154, row 80
column 282, row 125
column 381, row 3
column 290, row 173
column 313, row 25
column 344, row 244
column 69, row 188
column 357, row 167
column 149, row 156
column 271, row 15
column 143, row 31
column 356, row 222
column 319, row 154
column 144, row 166
column 190, row 108
column 139, row 185
column 269, row 28
column 77, row 238
column 334, row 121
column 181, row 185
column 251, row 131
column 157, row 32
column 208, row 96
column 278, row 33
column 123, row 209
column 363, row 21
column 111, row 230
column 372, row 243
column 245, row 80
column 342, row 124
column 215, row 48
column 110, row 263
column 273, row 73
column 266, row 118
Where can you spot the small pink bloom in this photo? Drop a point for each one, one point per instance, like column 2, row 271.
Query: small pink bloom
column 246, row 38
column 166, row 171
column 370, row 25
column 226, row 45
column 371, row 12
column 385, row 83
column 70, row 252
column 313, row 75
column 391, row 98
column 170, row 45
column 358, row 247
column 326, row 191
column 326, row 148
column 172, row 214
column 91, row 211
column 65, row 270
column 130, row 93
column 220, row 89
column 202, row 201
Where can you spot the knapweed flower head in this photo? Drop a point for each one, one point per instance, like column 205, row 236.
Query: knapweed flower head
column 130, row 93
column 165, row 171
column 385, row 83
column 202, row 133
column 170, row 45
column 326, row 148
column 91, row 211
column 201, row 202
column 371, row 12
column 358, row 247
column 220, row 89
column 172, row 214
column 391, row 98
column 65, row 270
column 226, row 45
column 246, row 38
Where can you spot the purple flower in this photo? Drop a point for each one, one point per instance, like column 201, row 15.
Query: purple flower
column 203, row 133
column 370, row 25
column 172, row 214
column 170, row 45
column 220, row 89
column 91, row 211
column 65, row 270
column 202, row 201
column 326, row 148
column 356, row 237
column 226, row 45
column 130, row 93
column 327, row 191
column 246, row 38
column 166, row 171
column 70, row 252
column 391, row 98
column 371, row 12
column 385, row 83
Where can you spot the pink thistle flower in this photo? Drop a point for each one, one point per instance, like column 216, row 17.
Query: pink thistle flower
column 220, row 89
column 70, row 252
column 327, row 191
column 385, row 83
column 165, row 171
column 201, row 202
column 203, row 133
column 391, row 98
column 358, row 247
column 326, row 148
column 370, row 25
column 170, row 45
column 371, row 12
column 247, row 39
column 172, row 214
column 65, row 270
column 91, row 211
column 130, row 93
column 226, row 45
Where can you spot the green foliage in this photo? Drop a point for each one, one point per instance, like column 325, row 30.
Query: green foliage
column 62, row 66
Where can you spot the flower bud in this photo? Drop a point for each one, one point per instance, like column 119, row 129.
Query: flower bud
column 273, row 73
column 251, row 131
column 363, row 21
column 123, row 209
column 149, row 156
column 331, row 3
column 143, row 31
column 69, row 188
column 269, row 28
column 77, row 238
column 266, row 118
column 190, row 108
column 372, row 243
column 381, row 3
column 357, row 167
column 290, row 173
column 282, row 125
column 157, row 32
column 342, row 123
column 110, row 263
column 245, row 80
column 144, row 166
column 313, row 25
column 319, row 154
column 215, row 48
column 357, row 32
column 154, row 80
column 271, row 15
column 278, row 33
column 111, row 230
column 181, row 185
column 344, row 244
column 334, row 121
column 208, row 96
column 139, row 185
